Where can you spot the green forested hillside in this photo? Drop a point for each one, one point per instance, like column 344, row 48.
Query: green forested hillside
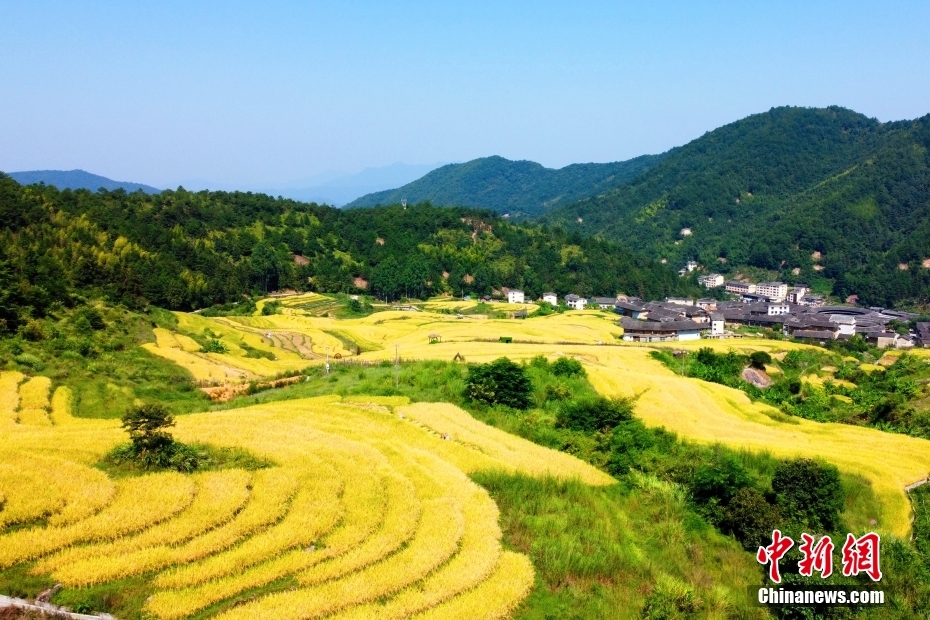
column 520, row 188
column 773, row 189
column 190, row 250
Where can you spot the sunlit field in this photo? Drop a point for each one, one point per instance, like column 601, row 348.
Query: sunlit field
column 368, row 510
column 696, row 410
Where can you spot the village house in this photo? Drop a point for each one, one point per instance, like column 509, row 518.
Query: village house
column 846, row 325
column 706, row 304
column 711, row 280
column 923, row 334
column 821, row 336
column 882, row 339
column 755, row 298
column 777, row 309
column 659, row 331
column 630, row 309
column 797, row 293
column 551, row 298
column 575, row 302
column 815, row 301
column 680, row 301
column 604, row 303
column 717, row 325
column 514, row 296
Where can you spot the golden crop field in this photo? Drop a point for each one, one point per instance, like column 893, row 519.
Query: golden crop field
column 696, row 410
column 368, row 508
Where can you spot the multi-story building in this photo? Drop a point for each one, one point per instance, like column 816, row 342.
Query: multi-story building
column 740, row 288
column 551, row 298
column 711, row 280
column 773, row 290
column 797, row 293
column 514, row 296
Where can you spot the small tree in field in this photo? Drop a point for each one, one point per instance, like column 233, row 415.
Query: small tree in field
column 759, row 359
column 152, row 446
column 146, row 427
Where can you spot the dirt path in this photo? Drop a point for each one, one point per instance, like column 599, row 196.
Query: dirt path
column 53, row 611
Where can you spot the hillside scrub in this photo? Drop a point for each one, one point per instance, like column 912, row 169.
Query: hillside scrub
column 500, row 382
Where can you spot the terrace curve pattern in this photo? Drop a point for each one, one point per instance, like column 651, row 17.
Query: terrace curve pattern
column 694, row 409
column 368, row 511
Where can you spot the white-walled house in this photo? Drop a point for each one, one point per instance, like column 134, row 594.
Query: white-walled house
column 778, row 309
column 514, row 296
column 717, row 325
column 575, row 302
column 711, row 280
column 846, row 325
column 551, row 298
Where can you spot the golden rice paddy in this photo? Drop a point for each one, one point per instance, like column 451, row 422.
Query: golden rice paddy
column 696, row 410
column 368, row 511
column 368, row 508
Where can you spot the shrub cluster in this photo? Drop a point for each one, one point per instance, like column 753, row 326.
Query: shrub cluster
column 151, row 447
column 501, row 382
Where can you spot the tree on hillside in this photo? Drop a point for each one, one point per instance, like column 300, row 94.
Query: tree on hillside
column 386, row 278
column 264, row 266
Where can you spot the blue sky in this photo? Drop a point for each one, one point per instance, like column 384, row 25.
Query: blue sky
column 286, row 93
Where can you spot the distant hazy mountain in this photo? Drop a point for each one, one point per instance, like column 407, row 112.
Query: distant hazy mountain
column 77, row 179
column 331, row 188
column 342, row 189
column 515, row 187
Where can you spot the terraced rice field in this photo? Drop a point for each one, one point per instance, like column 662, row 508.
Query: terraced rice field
column 368, row 510
column 694, row 409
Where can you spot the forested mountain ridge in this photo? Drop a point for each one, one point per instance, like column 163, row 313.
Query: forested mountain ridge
column 518, row 188
column 184, row 250
column 77, row 179
column 823, row 196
